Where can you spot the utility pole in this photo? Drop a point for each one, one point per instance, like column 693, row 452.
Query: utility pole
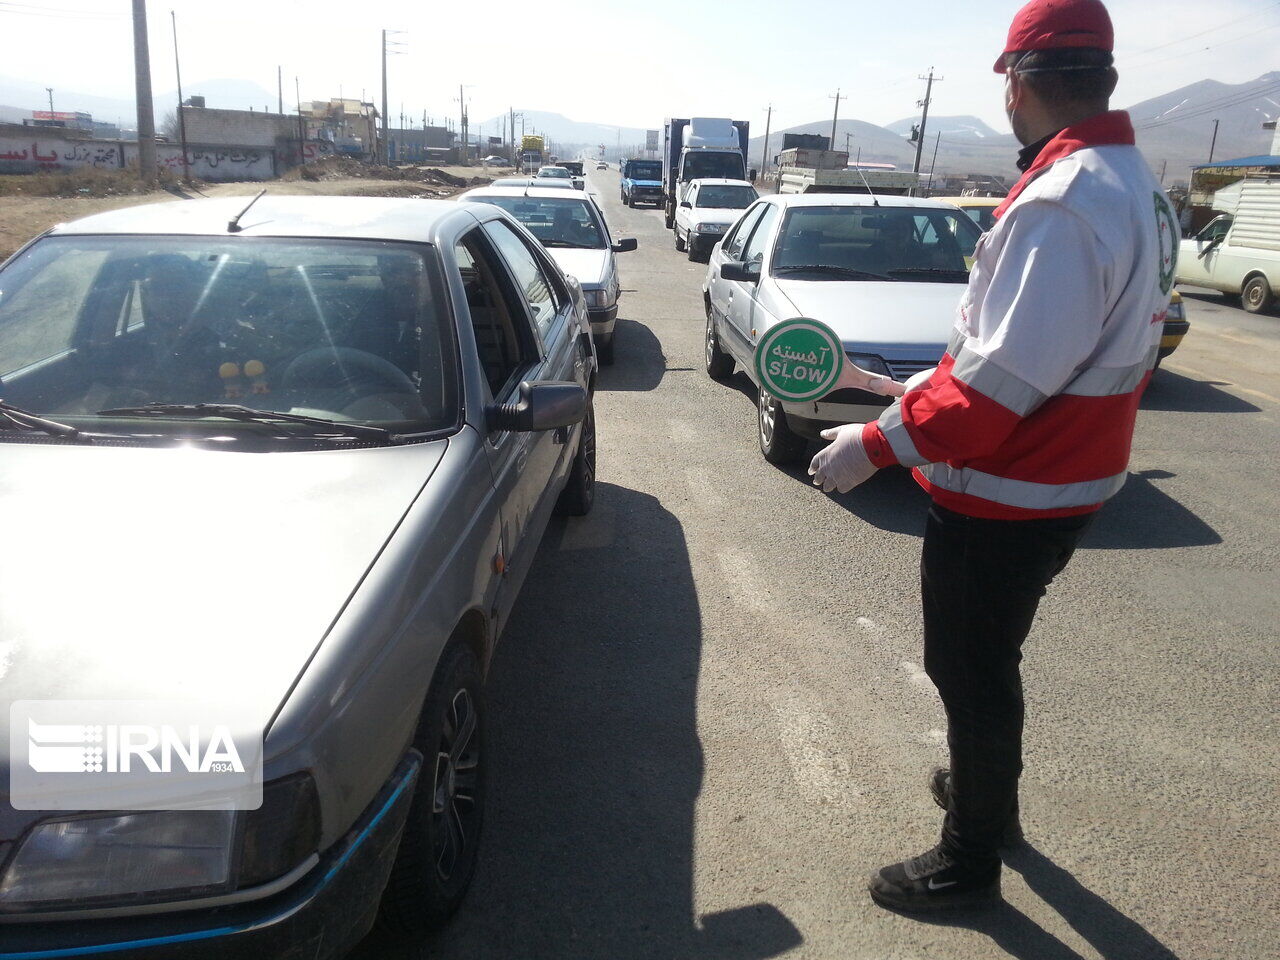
column 1164, row 165
column 382, row 153
column 928, row 190
column 302, row 130
column 280, row 89
column 462, row 112
column 764, row 154
column 847, row 138
column 924, row 117
column 50, row 91
column 182, row 119
column 1213, row 143
column 142, row 91
column 832, row 144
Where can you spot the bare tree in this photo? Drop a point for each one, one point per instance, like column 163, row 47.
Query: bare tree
column 169, row 126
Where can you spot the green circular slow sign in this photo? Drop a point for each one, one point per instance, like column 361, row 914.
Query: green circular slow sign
column 799, row 359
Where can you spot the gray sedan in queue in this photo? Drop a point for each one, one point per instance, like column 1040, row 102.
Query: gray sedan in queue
column 301, row 455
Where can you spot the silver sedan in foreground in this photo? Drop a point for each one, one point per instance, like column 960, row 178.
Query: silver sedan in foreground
column 294, row 459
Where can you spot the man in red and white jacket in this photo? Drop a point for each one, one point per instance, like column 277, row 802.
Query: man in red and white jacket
column 1024, row 428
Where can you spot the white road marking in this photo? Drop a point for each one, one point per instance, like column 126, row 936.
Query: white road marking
column 867, row 623
column 915, row 674
column 739, row 569
column 682, row 431
column 819, row 770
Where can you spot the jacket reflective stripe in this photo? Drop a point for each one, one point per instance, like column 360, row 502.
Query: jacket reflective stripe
column 1111, row 381
column 957, row 341
column 995, row 383
column 1021, row 493
column 895, row 434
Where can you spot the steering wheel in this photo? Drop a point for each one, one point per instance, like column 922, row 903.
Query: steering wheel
column 346, row 368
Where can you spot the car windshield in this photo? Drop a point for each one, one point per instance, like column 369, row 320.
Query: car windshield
column 554, row 172
column 350, row 331
column 555, row 222
column 984, row 217
column 712, row 166
column 726, row 196
column 896, row 243
column 644, row 171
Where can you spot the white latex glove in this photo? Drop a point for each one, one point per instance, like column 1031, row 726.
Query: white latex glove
column 842, row 464
column 918, row 380
column 876, row 383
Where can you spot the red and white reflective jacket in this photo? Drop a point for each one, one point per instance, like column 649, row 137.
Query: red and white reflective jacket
column 1031, row 411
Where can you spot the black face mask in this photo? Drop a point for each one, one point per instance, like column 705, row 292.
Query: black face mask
column 1027, row 155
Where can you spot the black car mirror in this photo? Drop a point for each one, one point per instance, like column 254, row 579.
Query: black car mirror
column 686, row 204
column 541, row 406
column 1209, row 247
column 741, row 271
column 625, row 245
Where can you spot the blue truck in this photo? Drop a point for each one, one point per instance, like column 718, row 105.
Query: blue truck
column 642, row 182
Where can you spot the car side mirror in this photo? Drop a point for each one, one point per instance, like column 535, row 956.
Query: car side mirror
column 686, row 204
column 741, row 271
column 625, row 245
column 1209, row 247
column 541, row 406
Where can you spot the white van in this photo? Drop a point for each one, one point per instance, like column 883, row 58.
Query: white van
column 1239, row 253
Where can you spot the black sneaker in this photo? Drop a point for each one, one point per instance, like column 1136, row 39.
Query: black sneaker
column 934, row 881
column 940, row 787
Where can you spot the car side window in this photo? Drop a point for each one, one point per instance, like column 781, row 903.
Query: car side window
column 496, row 314
column 1216, row 230
column 737, row 238
column 530, row 277
column 753, row 252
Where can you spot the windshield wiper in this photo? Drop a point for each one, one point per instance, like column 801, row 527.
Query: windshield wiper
column 961, row 275
column 29, row 421
column 235, row 411
column 849, row 272
column 566, row 243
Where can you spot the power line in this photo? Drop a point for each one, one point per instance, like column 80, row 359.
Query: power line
column 1202, row 33
column 1204, row 109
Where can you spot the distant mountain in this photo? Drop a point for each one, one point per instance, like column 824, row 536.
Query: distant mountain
column 947, row 126
column 22, row 96
column 572, row 133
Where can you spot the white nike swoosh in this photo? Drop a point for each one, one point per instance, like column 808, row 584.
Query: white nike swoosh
column 939, row 886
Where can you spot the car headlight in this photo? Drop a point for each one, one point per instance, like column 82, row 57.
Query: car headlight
column 160, row 855
column 1176, row 311
column 598, row 298
column 708, row 228
column 871, row 363
column 130, row 857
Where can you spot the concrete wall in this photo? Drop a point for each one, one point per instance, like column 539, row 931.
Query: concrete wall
column 243, row 128
column 208, row 162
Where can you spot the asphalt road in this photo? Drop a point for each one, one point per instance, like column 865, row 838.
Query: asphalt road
column 710, row 721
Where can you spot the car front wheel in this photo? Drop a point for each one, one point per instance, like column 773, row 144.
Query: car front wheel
column 719, row 363
column 441, row 838
column 579, row 493
column 680, row 244
column 1256, row 296
column 779, row 444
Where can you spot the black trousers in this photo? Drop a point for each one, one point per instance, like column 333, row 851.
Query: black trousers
column 981, row 581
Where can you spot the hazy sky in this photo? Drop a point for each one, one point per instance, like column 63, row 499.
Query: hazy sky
column 629, row 63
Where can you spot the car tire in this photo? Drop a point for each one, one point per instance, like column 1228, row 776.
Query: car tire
column 1256, row 296
column 681, row 245
column 579, row 494
column 779, row 444
column 719, row 364
column 670, row 218
column 447, row 809
column 604, row 351
column 692, row 247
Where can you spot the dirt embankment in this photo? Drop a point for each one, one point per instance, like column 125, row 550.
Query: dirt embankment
column 40, row 201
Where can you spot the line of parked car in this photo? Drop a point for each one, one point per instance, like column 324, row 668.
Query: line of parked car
column 305, row 451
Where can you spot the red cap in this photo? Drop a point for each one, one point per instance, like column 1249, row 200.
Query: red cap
column 1059, row 24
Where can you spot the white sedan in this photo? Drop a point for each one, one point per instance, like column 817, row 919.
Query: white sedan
column 572, row 229
column 709, row 208
column 886, row 274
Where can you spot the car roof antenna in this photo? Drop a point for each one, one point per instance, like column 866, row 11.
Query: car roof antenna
column 233, row 225
column 863, row 176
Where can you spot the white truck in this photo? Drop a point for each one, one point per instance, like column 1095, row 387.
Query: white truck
column 698, row 149
column 1239, row 252
column 828, row 171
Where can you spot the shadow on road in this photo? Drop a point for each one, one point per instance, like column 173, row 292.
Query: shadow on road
column 1143, row 517
column 639, row 363
column 1111, row 933
column 595, row 763
column 1174, row 393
